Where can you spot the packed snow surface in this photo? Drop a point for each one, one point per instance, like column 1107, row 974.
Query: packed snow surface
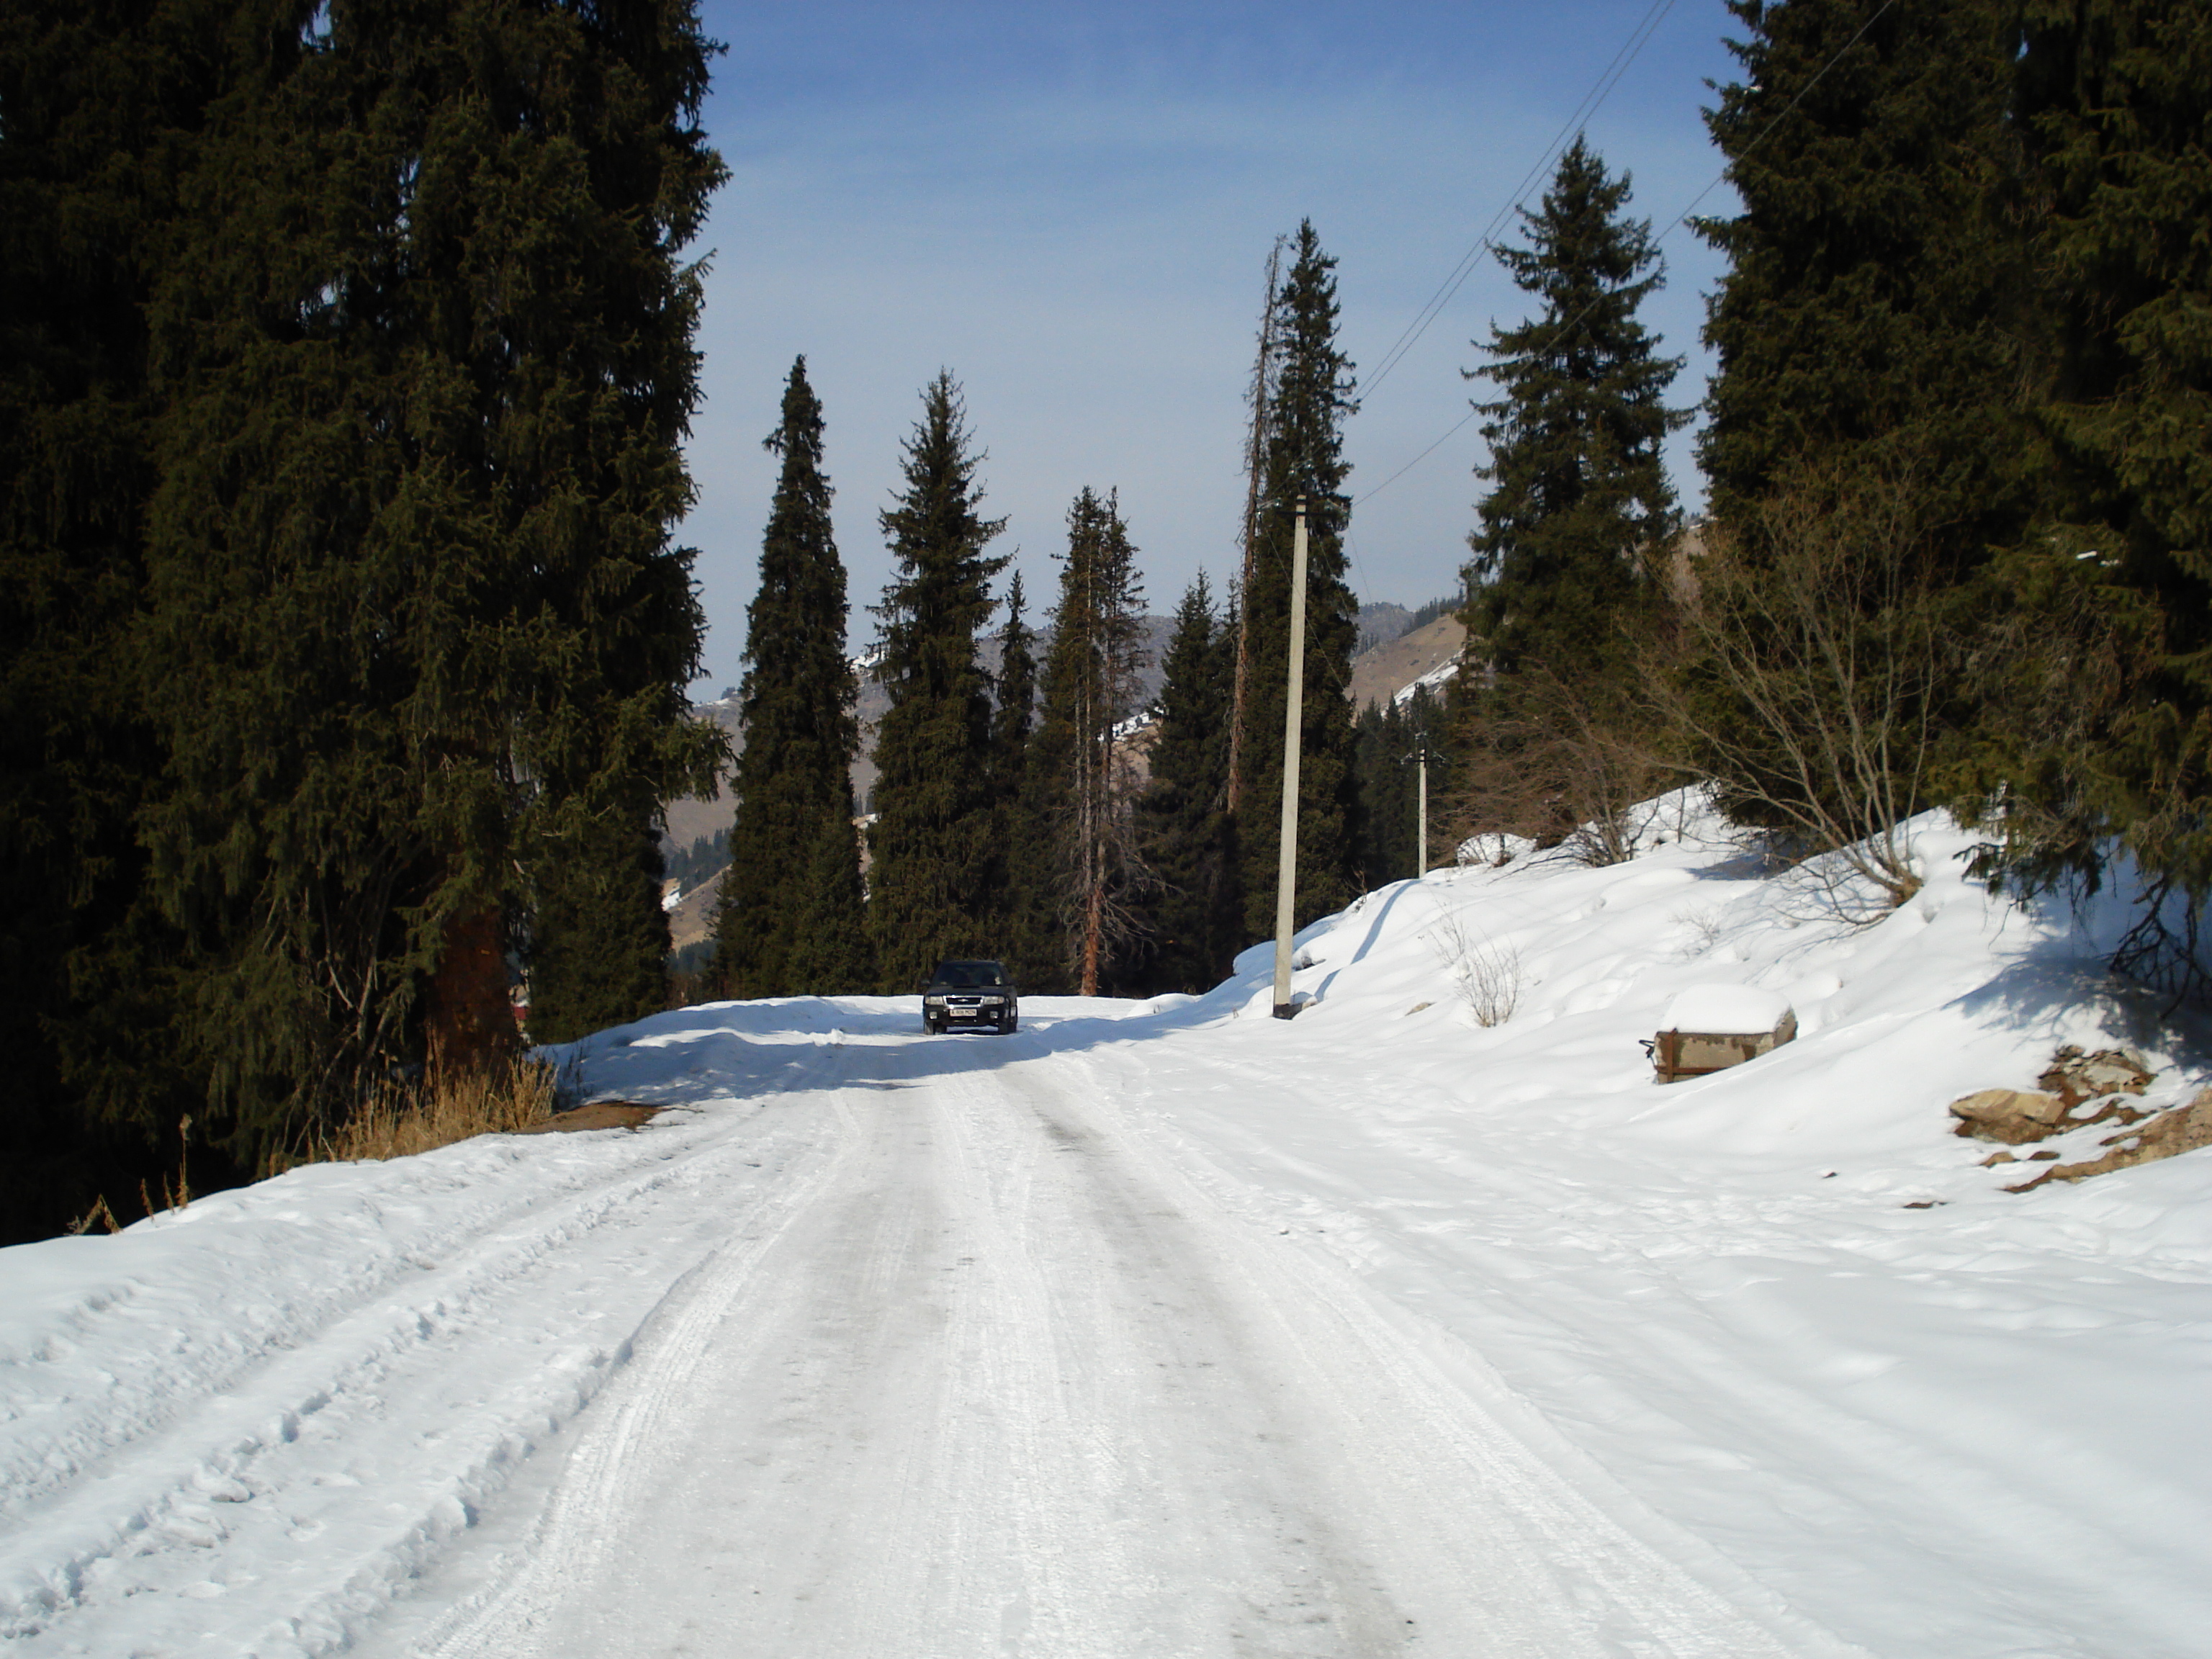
column 1174, row 1329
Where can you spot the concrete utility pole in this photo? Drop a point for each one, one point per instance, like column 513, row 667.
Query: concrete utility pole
column 1286, row 867
column 1420, row 759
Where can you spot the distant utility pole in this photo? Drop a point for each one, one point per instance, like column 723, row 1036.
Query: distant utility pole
column 1286, row 868
column 1419, row 759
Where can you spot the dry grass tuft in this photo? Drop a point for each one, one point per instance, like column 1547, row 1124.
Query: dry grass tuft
column 398, row 1121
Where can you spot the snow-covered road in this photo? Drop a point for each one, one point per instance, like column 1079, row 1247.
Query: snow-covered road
column 988, row 1376
column 1171, row 1328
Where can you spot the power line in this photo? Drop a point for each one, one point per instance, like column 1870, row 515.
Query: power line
column 1638, row 37
column 1673, row 225
column 1423, row 456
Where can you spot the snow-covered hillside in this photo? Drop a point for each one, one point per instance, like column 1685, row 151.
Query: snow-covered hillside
column 1772, row 1344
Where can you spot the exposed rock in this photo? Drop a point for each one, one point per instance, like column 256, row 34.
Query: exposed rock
column 2075, row 1077
column 2184, row 1129
column 692, row 920
column 2072, row 1080
column 2011, row 1116
column 2110, row 1109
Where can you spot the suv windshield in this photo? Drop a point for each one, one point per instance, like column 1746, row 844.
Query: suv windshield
column 970, row 975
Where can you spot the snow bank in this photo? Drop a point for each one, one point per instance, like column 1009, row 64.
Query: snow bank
column 1782, row 1304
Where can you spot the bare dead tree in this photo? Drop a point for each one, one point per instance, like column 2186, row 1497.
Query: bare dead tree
column 1091, row 689
column 1261, row 397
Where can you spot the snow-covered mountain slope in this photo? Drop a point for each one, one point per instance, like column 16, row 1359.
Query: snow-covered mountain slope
column 1695, row 1371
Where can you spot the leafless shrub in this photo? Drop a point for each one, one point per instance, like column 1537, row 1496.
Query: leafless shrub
column 1486, row 974
column 1817, row 664
column 1703, row 927
column 1490, row 849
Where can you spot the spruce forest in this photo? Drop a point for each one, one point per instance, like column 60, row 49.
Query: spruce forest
column 348, row 362
column 350, row 371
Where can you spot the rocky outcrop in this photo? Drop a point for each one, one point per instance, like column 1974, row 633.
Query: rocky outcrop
column 2075, row 1077
column 2079, row 1091
column 2014, row 1116
column 2184, row 1129
column 2072, row 1080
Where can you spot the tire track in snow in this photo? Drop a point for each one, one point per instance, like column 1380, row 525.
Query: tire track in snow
column 213, row 1509
column 571, row 1539
column 1492, row 1549
column 1001, row 1379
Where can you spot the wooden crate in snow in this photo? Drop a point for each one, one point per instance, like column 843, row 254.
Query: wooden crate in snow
column 1709, row 1028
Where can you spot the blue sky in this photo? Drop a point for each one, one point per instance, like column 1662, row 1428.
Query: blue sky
column 1071, row 208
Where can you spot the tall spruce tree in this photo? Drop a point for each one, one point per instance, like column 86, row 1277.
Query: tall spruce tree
column 1579, row 492
column 1027, row 944
column 1868, row 425
column 94, row 98
column 1082, row 790
column 425, row 350
column 1872, row 311
column 1194, row 911
column 790, row 922
column 932, row 892
column 1303, row 456
column 1577, row 512
column 2111, row 730
column 1016, row 695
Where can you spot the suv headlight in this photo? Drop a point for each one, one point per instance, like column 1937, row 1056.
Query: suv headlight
column 933, row 1002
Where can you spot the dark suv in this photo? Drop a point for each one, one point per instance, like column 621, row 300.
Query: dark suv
column 963, row 996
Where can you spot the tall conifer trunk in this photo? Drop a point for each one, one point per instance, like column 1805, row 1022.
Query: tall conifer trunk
column 1081, row 799
column 469, row 1022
